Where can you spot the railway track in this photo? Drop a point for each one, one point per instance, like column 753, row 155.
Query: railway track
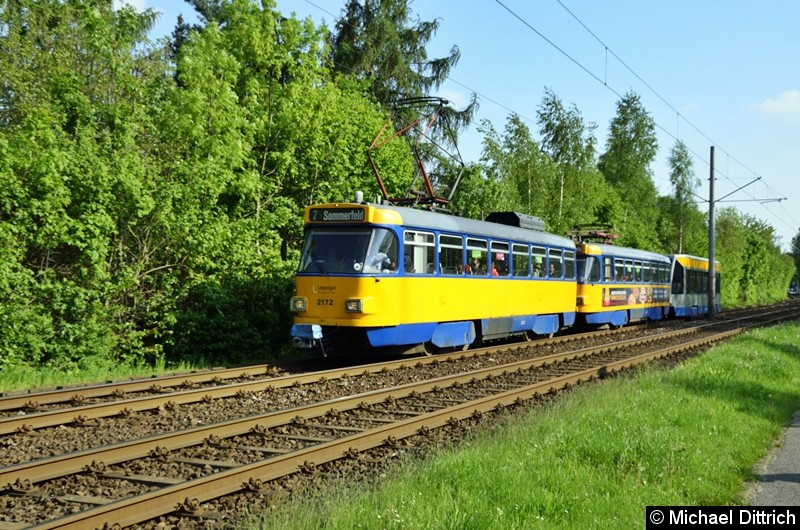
column 19, row 403
column 179, row 471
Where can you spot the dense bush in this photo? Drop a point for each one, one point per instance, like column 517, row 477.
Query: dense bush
column 147, row 188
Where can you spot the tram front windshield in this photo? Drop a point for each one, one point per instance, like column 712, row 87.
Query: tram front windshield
column 349, row 251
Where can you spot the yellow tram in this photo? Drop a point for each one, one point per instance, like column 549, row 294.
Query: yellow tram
column 618, row 285
column 376, row 276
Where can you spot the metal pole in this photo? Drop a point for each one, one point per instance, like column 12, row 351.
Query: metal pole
column 712, row 268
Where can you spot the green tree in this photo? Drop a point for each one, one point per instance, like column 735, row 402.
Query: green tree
column 631, row 148
column 566, row 139
column 794, row 252
column 383, row 43
column 682, row 228
column 582, row 195
column 299, row 136
column 684, row 183
column 525, row 176
column 70, row 101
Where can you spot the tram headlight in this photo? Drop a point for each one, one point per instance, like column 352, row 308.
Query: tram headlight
column 297, row 304
column 354, row 305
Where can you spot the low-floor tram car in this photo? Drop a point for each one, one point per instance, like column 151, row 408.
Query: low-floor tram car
column 402, row 280
column 689, row 295
column 618, row 285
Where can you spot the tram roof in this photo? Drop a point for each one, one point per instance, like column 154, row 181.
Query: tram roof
column 423, row 219
column 604, row 249
column 414, row 218
column 694, row 261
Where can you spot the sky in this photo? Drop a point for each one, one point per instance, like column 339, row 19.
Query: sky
column 710, row 73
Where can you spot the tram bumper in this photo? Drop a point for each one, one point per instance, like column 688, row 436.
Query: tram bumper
column 306, row 335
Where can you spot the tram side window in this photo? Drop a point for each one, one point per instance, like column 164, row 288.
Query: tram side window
column 619, row 270
column 608, row 269
column 500, row 259
column 637, row 271
column 520, row 259
column 477, row 255
column 677, row 279
column 628, row 270
column 419, row 256
column 569, row 264
column 451, row 254
column 382, row 252
column 592, row 272
column 702, row 282
column 538, row 255
column 555, row 266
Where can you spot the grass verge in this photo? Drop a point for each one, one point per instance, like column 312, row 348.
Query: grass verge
column 17, row 378
column 594, row 459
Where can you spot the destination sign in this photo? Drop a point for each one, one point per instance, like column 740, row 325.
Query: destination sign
column 336, row 215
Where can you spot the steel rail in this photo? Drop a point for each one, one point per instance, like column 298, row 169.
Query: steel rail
column 13, row 400
column 160, row 502
column 53, row 467
column 17, row 400
column 84, row 413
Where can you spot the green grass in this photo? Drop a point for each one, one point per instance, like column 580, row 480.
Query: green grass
column 597, row 457
column 24, row 378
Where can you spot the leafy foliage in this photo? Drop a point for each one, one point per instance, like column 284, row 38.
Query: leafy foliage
column 148, row 187
column 630, row 150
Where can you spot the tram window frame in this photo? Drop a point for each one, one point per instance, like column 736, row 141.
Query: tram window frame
column 619, row 270
column 539, row 267
column 629, row 270
column 451, row 253
column 569, row 264
column 591, row 270
column 499, row 248
column 608, row 269
column 422, row 255
column 557, row 265
column 478, row 248
column 520, row 255
column 678, row 279
column 637, row 271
